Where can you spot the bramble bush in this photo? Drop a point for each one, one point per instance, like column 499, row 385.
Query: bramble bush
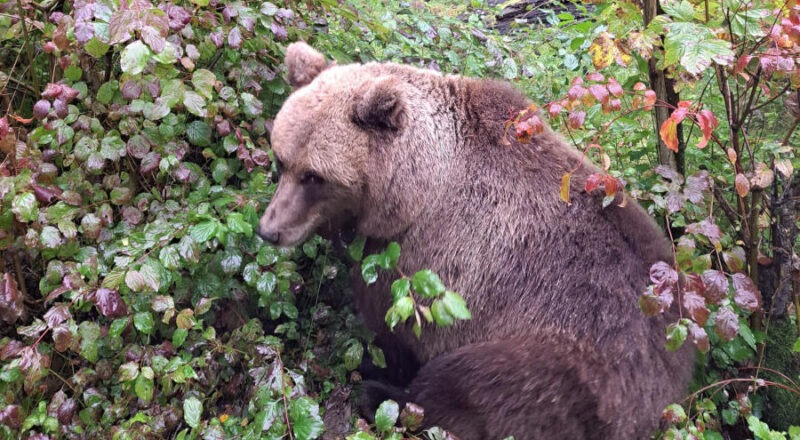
column 137, row 302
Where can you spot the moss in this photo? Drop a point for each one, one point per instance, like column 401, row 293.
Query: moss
column 782, row 407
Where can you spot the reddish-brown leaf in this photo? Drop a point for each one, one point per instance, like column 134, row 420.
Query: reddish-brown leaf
column 708, row 122
column 599, row 91
column 662, row 274
column 706, row 228
column 554, row 109
column 11, row 416
column 12, row 306
column 615, row 88
column 726, row 323
column 745, row 293
column 742, row 185
column 699, row 337
column 593, row 182
column 734, row 258
column 669, row 134
column 57, row 314
column 695, row 306
column 649, row 303
column 611, row 185
column 716, row 286
column 576, row 119
column 62, row 338
column 577, row 92
column 52, row 91
column 595, row 76
column 109, row 303
column 649, row 99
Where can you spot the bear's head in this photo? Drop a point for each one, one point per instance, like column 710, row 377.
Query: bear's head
column 336, row 146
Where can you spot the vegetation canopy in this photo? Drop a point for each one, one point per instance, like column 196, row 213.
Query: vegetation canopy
column 136, row 301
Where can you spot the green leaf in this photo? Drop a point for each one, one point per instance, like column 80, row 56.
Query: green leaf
column 305, row 420
column 404, row 307
column 369, row 268
column 192, row 410
column 196, row 106
column 236, row 223
column 73, row 73
column 353, row 355
column 25, row 207
column 679, row 10
column 50, row 237
column 251, row 105
column 266, row 283
column 203, row 81
column 144, row 387
column 170, row 257
column 400, row 288
column 143, row 321
column 134, row 58
column 198, row 133
column 378, row 358
column 128, row 371
column 179, row 337
column 455, row 305
column 96, row 48
column 204, row 231
column 796, row 346
column 356, row 248
column 392, row 254
column 676, row 336
column 89, row 333
column 427, row 284
column 441, row 316
column 386, row 415
column 759, row 428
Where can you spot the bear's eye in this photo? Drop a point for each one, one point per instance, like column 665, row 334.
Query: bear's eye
column 310, row 177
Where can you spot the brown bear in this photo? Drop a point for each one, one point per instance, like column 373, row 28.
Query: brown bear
column 557, row 346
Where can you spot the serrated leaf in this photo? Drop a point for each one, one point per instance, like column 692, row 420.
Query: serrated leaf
column 404, row 307
column 236, row 223
column 90, row 335
column 128, row 371
column 96, row 48
column 144, row 388
column 143, row 321
column 676, row 336
column 400, row 288
column 745, row 293
column 204, row 231
column 353, row 355
column 455, row 305
column 192, row 410
column 196, row 105
column 134, row 58
column 25, row 207
column 198, row 132
column 386, row 415
column 441, row 316
column 305, row 420
column 726, row 323
column 427, row 284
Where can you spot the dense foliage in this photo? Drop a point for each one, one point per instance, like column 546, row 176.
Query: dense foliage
column 137, row 302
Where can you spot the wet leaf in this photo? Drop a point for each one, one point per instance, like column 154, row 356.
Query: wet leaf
column 676, row 336
column 134, row 58
column 386, row 415
column 726, row 323
column 745, row 293
column 192, row 411
column 696, row 307
column 427, row 284
column 304, row 415
column 742, row 185
column 716, row 284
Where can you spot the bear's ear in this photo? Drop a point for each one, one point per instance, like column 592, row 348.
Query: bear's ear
column 380, row 105
column 304, row 63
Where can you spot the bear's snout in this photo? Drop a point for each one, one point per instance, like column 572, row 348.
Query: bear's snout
column 270, row 235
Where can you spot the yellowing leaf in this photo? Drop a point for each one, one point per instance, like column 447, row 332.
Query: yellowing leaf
column 565, row 187
column 669, row 134
column 605, row 50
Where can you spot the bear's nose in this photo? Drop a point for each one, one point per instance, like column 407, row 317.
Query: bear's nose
column 269, row 235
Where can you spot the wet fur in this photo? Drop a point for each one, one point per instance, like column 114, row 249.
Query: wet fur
column 557, row 347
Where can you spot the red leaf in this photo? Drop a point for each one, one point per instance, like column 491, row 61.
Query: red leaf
column 726, row 323
column 576, row 119
column 669, row 134
column 595, row 76
column 576, row 92
column 662, row 274
column 57, row 314
column 599, row 91
column 554, row 109
column 614, row 87
column 611, row 185
column 593, row 182
column 649, row 99
column 716, row 286
column 62, row 338
column 708, row 122
column 745, row 293
column 639, row 86
column 109, row 303
column 741, row 63
column 52, row 91
column 696, row 186
column 12, row 306
column 706, row 228
column 695, row 306
column 742, row 185
column 699, row 337
column 649, row 304
column 11, row 417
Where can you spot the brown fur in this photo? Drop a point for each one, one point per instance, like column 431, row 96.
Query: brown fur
column 557, row 347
